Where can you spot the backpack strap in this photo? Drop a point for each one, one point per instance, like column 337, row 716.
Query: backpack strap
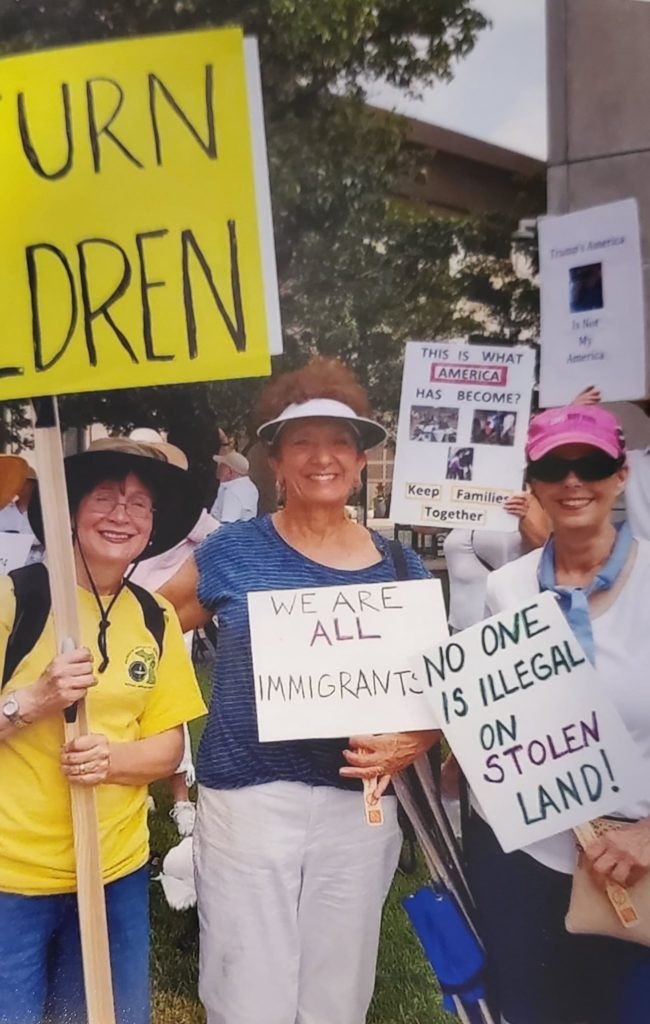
column 33, row 602
column 152, row 613
column 399, row 560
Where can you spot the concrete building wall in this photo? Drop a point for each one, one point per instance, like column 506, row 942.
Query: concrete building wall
column 458, row 174
column 599, row 109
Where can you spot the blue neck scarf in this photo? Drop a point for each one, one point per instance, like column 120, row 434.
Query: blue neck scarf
column 574, row 600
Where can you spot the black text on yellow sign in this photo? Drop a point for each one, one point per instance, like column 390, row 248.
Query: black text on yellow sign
column 131, row 239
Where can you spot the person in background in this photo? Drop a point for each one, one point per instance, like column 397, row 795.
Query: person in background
column 152, row 573
column 14, row 518
column 237, row 496
column 133, row 670
column 290, row 878
column 263, row 477
column 601, row 576
column 14, row 471
column 379, row 503
column 471, row 555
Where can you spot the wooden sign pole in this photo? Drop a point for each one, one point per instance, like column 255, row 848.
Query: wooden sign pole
column 63, row 584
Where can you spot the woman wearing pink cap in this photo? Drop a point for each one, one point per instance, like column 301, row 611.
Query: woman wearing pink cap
column 601, row 574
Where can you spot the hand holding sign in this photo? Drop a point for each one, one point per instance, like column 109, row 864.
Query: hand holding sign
column 621, row 855
column 381, row 757
column 542, row 745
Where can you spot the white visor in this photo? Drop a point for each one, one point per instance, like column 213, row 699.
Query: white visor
column 369, row 433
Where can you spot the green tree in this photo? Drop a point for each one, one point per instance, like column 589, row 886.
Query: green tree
column 358, row 272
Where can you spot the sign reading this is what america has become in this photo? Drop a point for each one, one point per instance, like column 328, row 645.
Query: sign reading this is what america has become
column 462, row 428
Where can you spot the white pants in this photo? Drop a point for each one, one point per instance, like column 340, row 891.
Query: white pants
column 186, row 766
column 290, row 882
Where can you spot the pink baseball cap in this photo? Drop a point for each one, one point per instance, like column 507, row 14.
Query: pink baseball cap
column 574, row 424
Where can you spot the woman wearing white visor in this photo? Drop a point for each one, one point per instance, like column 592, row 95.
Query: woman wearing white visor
column 290, row 879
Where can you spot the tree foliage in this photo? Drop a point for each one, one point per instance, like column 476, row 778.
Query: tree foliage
column 358, row 271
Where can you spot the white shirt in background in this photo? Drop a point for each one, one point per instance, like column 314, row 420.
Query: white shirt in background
column 470, row 556
column 637, row 493
column 12, row 520
column 622, row 646
column 153, row 573
column 237, row 499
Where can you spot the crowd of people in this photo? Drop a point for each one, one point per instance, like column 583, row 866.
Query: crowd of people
column 493, row 428
column 430, row 424
column 290, row 879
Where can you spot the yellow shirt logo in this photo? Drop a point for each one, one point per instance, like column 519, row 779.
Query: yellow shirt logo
column 141, row 664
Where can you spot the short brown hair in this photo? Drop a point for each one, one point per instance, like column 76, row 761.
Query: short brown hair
column 320, row 378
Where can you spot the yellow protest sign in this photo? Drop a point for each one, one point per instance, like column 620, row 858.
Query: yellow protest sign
column 131, row 247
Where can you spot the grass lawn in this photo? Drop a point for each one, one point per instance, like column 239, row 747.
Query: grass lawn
column 405, row 992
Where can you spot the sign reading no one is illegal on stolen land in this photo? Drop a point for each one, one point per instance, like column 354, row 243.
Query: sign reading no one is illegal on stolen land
column 534, row 730
column 136, row 242
column 462, row 428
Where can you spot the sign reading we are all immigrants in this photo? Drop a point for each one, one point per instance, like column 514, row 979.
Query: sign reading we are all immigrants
column 136, row 241
column 335, row 661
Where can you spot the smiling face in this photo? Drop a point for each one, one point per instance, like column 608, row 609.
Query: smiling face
column 318, row 461
column 114, row 537
column 573, row 503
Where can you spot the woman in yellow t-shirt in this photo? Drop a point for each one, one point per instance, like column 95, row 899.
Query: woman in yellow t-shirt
column 126, row 501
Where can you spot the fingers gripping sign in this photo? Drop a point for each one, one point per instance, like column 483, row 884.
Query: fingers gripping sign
column 518, row 504
column 588, row 396
column 620, row 855
column 86, row 760
column 66, row 679
column 375, row 759
column 374, row 785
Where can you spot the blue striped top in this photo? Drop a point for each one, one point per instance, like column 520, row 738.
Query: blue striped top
column 232, row 561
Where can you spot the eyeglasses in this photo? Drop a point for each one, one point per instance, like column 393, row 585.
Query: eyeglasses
column 138, row 507
column 551, row 469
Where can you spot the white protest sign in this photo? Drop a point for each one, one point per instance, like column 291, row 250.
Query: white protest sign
column 540, row 742
column 462, row 429
column 335, row 661
column 593, row 327
column 14, row 551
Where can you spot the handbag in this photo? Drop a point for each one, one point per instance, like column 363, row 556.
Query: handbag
column 617, row 912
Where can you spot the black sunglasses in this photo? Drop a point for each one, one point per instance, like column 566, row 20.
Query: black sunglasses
column 551, row 469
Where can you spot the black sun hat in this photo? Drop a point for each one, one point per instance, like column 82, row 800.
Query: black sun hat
column 177, row 498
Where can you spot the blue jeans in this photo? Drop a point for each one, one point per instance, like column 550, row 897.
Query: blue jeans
column 41, row 973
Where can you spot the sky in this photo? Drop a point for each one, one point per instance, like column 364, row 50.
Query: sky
column 499, row 91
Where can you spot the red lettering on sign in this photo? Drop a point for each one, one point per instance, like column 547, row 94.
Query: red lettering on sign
column 457, row 373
